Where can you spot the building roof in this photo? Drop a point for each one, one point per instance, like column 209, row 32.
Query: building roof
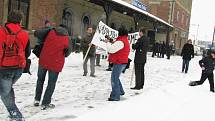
column 141, row 11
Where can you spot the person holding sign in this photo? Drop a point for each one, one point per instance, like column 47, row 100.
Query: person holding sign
column 85, row 45
column 141, row 47
column 118, row 55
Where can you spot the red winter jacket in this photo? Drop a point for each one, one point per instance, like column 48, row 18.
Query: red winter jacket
column 52, row 56
column 14, row 28
column 121, row 57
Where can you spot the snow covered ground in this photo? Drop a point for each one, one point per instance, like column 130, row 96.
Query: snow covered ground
column 166, row 95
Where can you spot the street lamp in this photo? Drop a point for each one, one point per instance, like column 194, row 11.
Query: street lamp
column 213, row 38
column 197, row 32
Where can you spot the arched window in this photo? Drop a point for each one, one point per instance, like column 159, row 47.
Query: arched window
column 67, row 20
column 22, row 5
column 85, row 24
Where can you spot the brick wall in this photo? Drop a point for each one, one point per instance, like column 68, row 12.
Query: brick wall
column 179, row 14
column 160, row 9
column 45, row 9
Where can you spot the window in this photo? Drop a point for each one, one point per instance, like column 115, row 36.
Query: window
column 187, row 21
column 86, row 23
column 23, row 6
column 67, row 20
column 177, row 17
column 182, row 19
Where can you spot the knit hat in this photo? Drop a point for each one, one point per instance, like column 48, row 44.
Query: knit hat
column 209, row 52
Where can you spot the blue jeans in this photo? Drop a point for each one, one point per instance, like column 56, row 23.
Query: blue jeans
column 52, row 79
column 7, row 79
column 117, row 88
column 185, row 65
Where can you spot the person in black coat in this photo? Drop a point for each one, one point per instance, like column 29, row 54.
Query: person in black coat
column 187, row 53
column 207, row 64
column 141, row 47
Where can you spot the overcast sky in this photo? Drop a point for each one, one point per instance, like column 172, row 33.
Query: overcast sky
column 203, row 14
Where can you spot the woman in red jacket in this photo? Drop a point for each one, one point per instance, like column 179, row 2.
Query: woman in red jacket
column 118, row 55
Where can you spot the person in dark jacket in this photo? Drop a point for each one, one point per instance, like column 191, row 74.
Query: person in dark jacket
column 207, row 64
column 56, row 48
column 9, row 76
column 187, row 53
column 141, row 47
column 85, row 44
column 163, row 49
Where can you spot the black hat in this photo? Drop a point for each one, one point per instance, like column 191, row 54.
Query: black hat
column 210, row 52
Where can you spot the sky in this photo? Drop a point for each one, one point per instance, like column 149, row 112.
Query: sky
column 204, row 16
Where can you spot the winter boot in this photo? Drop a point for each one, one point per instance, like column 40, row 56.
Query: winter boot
column 47, row 106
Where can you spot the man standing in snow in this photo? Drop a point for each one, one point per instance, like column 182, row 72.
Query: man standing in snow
column 12, row 64
column 52, row 58
column 85, row 44
column 141, row 47
column 118, row 55
column 187, row 53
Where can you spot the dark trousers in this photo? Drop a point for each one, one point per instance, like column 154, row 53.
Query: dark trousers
column 98, row 56
column 52, row 79
column 210, row 77
column 139, row 75
column 185, row 65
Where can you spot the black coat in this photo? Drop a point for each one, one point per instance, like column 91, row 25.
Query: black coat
column 187, row 51
column 85, row 45
column 141, row 47
column 208, row 63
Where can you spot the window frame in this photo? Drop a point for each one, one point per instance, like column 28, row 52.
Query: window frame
column 26, row 16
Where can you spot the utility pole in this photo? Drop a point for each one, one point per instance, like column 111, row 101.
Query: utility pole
column 213, row 38
column 197, row 32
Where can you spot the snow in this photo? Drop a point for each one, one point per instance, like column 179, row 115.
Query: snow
column 166, row 95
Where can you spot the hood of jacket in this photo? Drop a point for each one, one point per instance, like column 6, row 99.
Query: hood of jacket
column 14, row 28
column 61, row 31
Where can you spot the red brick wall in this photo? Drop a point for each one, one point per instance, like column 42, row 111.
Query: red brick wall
column 160, row 10
column 178, row 22
column 45, row 9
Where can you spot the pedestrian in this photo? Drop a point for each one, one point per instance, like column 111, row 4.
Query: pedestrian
column 85, row 44
column 55, row 49
column 118, row 55
column 14, row 49
column 41, row 34
column 154, row 49
column 207, row 64
column 168, row 50
column 163, row 49
column 187, row 53
column 141, row 47
column 98, row 55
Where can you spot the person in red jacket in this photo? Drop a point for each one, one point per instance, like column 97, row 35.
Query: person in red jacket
column 11, row 73
column 52, row 58
column 118, row 55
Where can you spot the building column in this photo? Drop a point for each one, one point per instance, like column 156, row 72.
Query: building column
column 108, row 10
column 136, row 18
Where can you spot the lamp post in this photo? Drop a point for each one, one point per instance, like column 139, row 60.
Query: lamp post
column 197, row 32
column 213, row 38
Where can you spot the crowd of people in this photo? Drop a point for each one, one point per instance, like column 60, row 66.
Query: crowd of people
column 159, row 49
column 53, row 46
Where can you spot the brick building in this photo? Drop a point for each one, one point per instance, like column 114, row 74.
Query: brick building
column 78, row 14
column 177, row 13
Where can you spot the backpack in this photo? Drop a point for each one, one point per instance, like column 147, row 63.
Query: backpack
column 12, row 53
